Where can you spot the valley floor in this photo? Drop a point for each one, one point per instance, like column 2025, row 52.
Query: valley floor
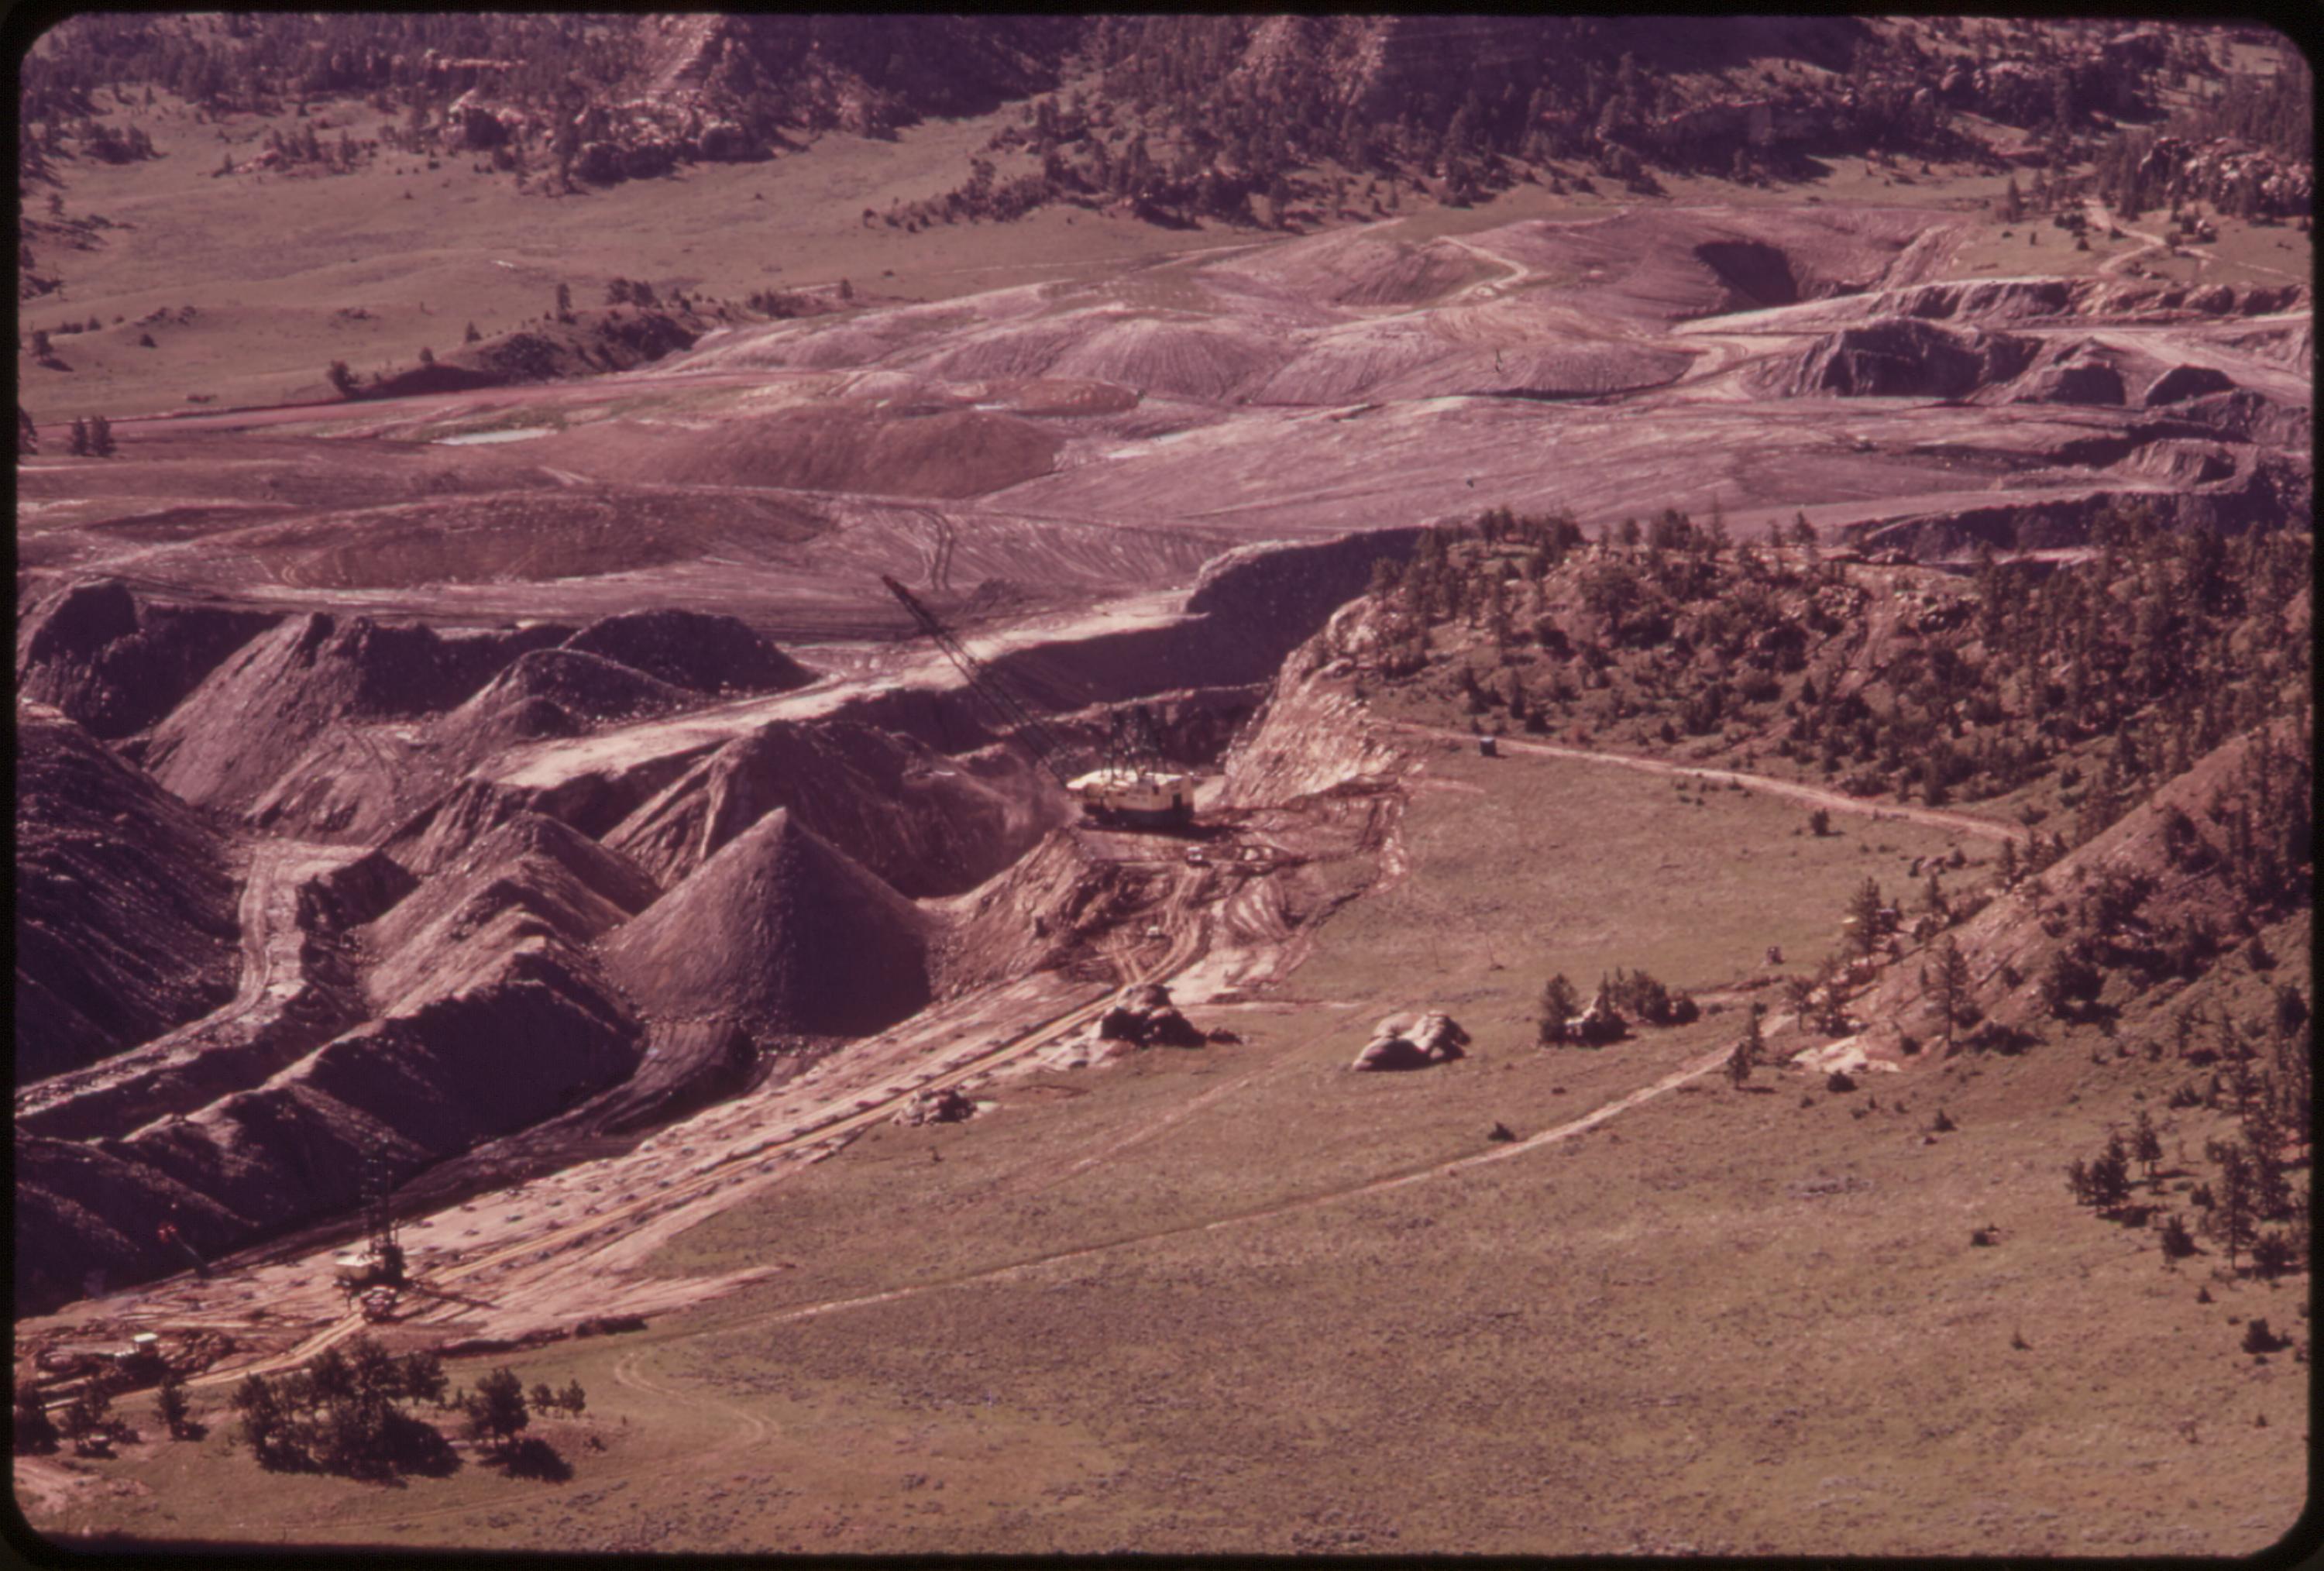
column 1236, row 1298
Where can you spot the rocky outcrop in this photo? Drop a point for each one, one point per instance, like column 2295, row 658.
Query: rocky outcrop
column 1411, row 1042
column 1143, row 1017
column 949, row 1105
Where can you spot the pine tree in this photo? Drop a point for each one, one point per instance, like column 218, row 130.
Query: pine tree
column 77, row 443
column 497, row 1412
column 34, row 1430
column 2230, row 1221
column 1559, row 1004
column 1949, row 985
column 1747, row 1053
column 2110, row 1175
column 169, row 1401
column 1864, row 909
column 422, row 1373
column 2146, row 1144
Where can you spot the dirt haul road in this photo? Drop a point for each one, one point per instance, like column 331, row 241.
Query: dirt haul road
column 271, row 977
column 821, row 1131
column 1840, row 801
column 749, row 1429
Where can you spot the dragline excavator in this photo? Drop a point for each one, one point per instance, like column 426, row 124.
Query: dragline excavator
column 1131, row 785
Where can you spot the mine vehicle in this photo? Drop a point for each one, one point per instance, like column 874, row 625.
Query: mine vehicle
column 1130, row 787
column 139, row 1364
column 1133, row 785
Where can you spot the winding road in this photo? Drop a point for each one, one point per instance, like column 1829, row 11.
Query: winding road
column 1838, row 801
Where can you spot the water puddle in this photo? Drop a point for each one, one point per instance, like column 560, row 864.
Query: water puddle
column 512, row 434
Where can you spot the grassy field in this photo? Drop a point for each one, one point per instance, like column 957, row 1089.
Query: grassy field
column 1180, row 1304
column 270, row 260
column 278, row 265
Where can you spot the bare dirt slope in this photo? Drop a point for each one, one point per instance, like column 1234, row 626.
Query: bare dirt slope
column 782, row 931
column 126, row 902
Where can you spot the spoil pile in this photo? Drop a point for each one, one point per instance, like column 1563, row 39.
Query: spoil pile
column 303, row 678
column 126, row 908
column 118, row 664
column 2181, row 383
column 692, row 649
column 925, row 824
column 687, row 1066
column 530, row 1034
column 532, row 881
column 556, row 692
column 1404, row 1042
column 782, row 932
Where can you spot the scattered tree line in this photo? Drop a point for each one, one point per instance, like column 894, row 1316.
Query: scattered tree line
column 2250, row 1184
column 1624, row 996
column 346, row 1412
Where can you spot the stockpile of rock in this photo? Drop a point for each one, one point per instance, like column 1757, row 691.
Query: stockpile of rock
column 1405, row 1041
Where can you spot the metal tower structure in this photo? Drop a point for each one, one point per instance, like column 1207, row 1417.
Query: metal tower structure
column 1016, row 719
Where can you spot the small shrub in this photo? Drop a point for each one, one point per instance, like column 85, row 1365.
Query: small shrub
column 2273, row 1253
column 1837, row 1081
column 34, row 1430
column 171, row 1401
column 2258, row 1338
column 534, row 1458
